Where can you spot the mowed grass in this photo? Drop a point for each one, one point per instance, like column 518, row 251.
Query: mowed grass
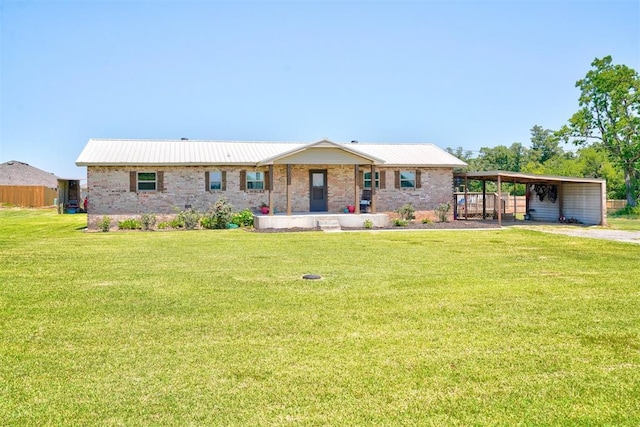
column 492, row 327
column 625, row 222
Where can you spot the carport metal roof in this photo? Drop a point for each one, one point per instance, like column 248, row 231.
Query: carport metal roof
column 522, row 178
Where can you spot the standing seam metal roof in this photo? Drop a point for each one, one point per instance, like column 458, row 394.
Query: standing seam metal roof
column 115, row 152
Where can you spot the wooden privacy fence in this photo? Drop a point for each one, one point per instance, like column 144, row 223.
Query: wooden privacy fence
column 615, row 205
column 27, row 196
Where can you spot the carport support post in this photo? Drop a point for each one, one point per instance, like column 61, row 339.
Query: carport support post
column 515, row 200
column 466, row 197
column 356, row 188
column 499, row 202
column 484, row 199
column 288, row 189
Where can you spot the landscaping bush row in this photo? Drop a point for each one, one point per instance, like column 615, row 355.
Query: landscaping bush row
column 219, row 216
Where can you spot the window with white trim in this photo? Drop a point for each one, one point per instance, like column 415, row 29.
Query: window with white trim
column 215, row 180
column 407, row 179
column 367, row 180
column 147, row 181
column 255, row 180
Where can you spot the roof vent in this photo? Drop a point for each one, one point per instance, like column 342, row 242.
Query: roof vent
column 354, row 141
column 184, row 139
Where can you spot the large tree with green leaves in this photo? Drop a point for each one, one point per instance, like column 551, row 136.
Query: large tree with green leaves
column 609, row 116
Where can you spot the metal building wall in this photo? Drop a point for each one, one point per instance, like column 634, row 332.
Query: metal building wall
column 582, row 201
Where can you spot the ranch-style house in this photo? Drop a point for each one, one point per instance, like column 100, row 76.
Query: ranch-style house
column 126, row 178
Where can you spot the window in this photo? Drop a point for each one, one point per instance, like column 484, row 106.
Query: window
column 255, row 180
column 147, row 181
column 367, row 180
column 215, row 180
column 407, row 179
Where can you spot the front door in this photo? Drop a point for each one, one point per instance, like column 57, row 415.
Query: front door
column 318, row 190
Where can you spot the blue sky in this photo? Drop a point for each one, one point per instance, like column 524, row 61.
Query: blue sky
column 455, row 73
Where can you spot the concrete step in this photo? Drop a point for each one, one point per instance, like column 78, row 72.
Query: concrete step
column 329, row 225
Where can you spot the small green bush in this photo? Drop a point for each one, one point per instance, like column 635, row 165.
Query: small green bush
column 426, row 221
column 188, row 219
column 129, row 224
column 163, row 225
column 400, row 222
column 218, row 216
column 442, row 210
column 148, row 221
column 368, row 224
column 628, row 211
column 407, row 212
column 176, row 223
column 243, row 218
column 104, row 224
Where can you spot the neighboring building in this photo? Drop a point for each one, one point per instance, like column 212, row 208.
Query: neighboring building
column 132, row 177
column 27, row 186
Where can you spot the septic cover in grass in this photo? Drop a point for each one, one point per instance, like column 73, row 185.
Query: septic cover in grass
column 311, row 277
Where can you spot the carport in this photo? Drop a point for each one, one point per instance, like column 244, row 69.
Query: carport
column 548, row 198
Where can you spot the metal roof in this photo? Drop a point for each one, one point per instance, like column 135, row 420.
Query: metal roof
column 14, row 172
column 523, row 178
column 129, row 152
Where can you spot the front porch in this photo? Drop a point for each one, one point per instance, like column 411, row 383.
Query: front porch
column 312, row 220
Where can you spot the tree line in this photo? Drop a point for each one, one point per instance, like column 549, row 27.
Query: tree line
column 605, row 132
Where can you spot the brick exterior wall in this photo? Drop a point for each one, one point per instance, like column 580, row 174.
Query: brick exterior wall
column 109, row 190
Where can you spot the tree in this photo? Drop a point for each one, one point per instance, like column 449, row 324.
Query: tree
column 610, row 116
column 545, row 144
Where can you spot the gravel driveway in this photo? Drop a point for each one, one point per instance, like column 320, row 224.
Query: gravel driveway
column 593, row 233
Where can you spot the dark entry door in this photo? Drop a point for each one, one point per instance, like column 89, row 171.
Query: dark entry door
column 318, row 190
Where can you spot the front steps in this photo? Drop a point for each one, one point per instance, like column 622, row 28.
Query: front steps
column 329, row 225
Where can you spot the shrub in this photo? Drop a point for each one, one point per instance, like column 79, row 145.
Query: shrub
column 628, row 210
column 218, row 216
column 407, row 212
column 426, row 221
column 243, row 218
column 188, row 219
column 176, row 222
column 400, row 222
column 442, row 210
column 104, row 224
column 164, row 224
column 148, row 221
column 368, row 224
column 129, row 224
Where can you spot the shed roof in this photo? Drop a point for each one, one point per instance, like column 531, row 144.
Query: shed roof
column 15, row 172
column 127, row 152
column 523, row 178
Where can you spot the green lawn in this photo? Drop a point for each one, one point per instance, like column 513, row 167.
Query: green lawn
column 628, row 222
column 494, row 327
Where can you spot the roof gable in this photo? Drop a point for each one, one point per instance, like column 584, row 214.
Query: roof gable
column 321, row 152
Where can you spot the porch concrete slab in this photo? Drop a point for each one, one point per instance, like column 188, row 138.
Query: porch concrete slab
column 310, row 220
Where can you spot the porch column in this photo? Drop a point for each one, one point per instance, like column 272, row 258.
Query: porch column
column 271, row 209
column 499, row 202
column 373, row 188
column 356, row 187
column 288, row 190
